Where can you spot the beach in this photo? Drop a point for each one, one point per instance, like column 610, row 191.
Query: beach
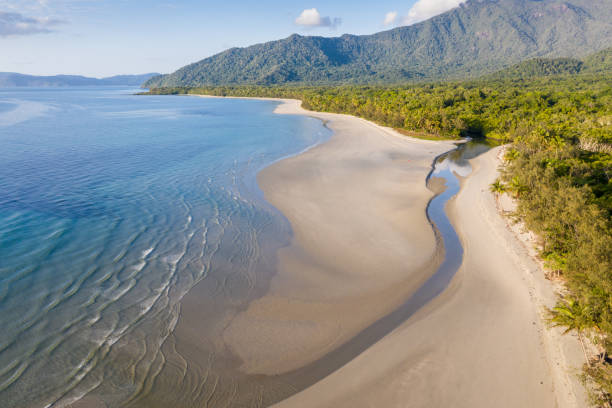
column 361, row 246
column 481, row 343
column 362, row 243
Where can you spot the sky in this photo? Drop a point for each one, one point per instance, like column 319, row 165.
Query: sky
column 108, row 37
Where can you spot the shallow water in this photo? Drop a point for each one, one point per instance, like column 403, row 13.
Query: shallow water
column 112, row 207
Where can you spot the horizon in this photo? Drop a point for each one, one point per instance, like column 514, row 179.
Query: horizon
column 82, row 76
column 103, row 39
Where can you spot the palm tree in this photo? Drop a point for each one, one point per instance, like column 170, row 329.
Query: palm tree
column 572, row 316
column 497, row 188
column 511, row 154
column 517, row 187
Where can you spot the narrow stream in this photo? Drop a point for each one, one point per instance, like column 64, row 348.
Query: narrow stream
column 447, row 167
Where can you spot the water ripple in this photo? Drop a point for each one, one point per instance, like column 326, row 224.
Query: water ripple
column 109, row 215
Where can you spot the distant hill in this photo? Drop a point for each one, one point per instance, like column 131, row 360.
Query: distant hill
column 479, row 37
column 11, row 79
column 600, row 62
column 542, row 67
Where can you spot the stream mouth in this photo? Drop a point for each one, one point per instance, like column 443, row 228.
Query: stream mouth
column 448, row 169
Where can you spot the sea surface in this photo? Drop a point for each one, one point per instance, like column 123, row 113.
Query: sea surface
column 112, row 207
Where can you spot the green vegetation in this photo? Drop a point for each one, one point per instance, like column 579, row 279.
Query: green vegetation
column 479, row 37
column 493, row 109
column 559, row 165
column 561, row 177
column 572, row 316
column 599, row 62
column 538, row 67
column 498, row 188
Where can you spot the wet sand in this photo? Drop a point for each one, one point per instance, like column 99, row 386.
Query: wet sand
column 482, row 343
column 362, row 243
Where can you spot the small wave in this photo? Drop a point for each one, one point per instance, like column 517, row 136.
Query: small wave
column 16, row 374
column 94, row 319
column 139, row 266
column 80, row 394
column 146, row 252
column 123, row 291
column 174, row 258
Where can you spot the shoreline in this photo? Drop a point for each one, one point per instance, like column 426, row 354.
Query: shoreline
column 355, row 256
column 320, row 298
column 563, row 349
column 481, row 343
column 310, row 311
column 294, row 107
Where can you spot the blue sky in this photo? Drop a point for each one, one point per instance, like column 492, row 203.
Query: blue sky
column 108, row 37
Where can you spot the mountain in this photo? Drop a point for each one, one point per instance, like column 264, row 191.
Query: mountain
column 11, row 79
column 479, row 37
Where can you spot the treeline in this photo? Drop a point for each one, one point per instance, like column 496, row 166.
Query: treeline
column 558, row 166
column 492, row 109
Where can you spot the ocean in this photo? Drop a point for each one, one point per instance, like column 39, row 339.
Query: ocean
column 113, row 207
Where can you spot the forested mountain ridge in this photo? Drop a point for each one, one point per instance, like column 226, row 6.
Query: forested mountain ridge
column 479, row 37
column 600, row 62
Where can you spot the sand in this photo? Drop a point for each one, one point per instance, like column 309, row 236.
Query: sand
column 362, row 243
column 361, row 246
column 481, row 343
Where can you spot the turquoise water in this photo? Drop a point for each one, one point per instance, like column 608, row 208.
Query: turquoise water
column 112, row 207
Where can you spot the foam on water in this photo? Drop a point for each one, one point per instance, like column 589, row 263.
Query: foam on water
column 109, row 214
column 21, row 111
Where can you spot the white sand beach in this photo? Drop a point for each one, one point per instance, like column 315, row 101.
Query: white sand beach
column 362, row 245
column 482, row 343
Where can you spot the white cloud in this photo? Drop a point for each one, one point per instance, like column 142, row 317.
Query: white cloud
column 390, row 18
column 312, row 18
column 12, row 24
column 424, row 9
